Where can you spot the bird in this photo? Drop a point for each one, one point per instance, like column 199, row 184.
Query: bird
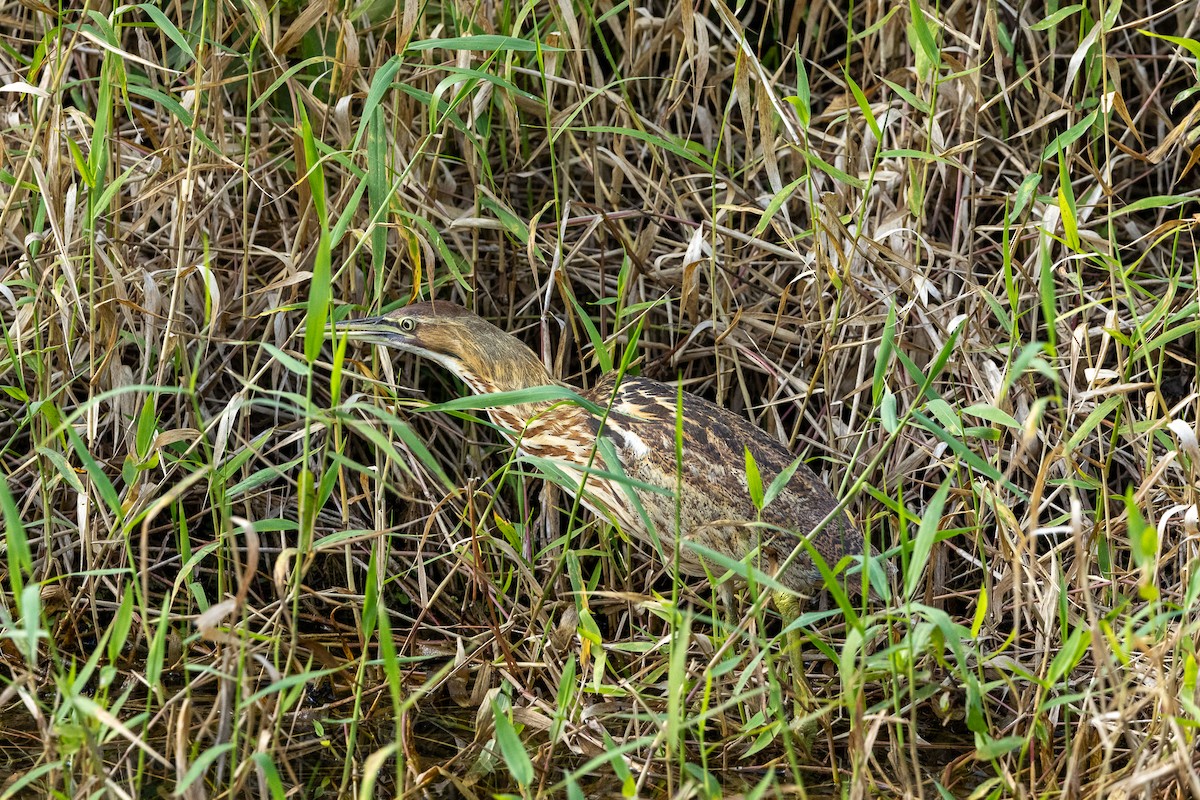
column 617, row 442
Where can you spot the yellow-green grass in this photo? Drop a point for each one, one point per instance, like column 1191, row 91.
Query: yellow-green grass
column 946, row 254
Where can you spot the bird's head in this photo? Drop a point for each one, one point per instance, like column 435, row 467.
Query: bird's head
column 486, row 358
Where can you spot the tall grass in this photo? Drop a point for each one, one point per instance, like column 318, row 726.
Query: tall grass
column 945, row 253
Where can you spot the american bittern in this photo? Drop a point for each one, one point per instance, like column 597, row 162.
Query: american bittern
column 703, row 495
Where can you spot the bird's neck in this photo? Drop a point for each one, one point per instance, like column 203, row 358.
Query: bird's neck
column 508, row 366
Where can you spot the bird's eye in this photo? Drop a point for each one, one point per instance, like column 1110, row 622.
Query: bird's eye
column 408, row 324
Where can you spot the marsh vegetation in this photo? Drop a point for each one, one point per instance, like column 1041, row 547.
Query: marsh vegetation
column 945, row 252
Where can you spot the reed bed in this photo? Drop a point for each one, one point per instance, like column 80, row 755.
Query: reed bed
column 945, row 252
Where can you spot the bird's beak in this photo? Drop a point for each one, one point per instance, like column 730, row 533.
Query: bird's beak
column 372, row 330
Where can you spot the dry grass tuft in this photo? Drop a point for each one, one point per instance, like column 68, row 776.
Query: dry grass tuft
column 948, row 254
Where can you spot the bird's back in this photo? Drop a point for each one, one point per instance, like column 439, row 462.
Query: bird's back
column 708, row 477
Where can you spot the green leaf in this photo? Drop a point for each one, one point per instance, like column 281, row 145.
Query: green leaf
column 511, row 747
column 613, row 754
column 535, row 394
column 769, row 782
column 407, row 435
column 673, row 147
column 944, row 413
column 1056, row 17
column 1191, row 45
column 1023, row 194
column 1067, row 206
column 926, row 535
column 677, row 678
column 164, row 24
column 96, row 472
column 119, row 630
column 888, row 414
column 172, row 104
column 943, row 356
column 883, row 354
column 598, row 347
column 306, row 493
column 776, row 203
column 349, row 215
column 512, row 222
column 1098, row 415
column 1142, row 536
column 832, row 171
column 908, row 97
column 381, row 81
column 487, row 43
column 291, row 72
column 30, row 631
column 565, row 699
column 157, row 651
column 802, row 101
column 110, row 191
column 1164, row 338
column 1157, row 202
column 1069, row 136
column 968, row 456
column 981, row 609
column 388, row 656
column 147, row 422
column 992, row 414
column 780, row 482
column 988, row 748
column 929, row 57
column 286, row 361
column 566, row 474
column 200, row 765
column 320, row 290
column 20, row 557
column 863, row 106
column 265, row 764
column 754, row 481
column 1069, row 655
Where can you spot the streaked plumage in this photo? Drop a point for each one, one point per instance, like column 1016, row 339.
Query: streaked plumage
column 714, row 509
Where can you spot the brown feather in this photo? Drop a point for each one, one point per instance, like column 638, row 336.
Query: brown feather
column 714, row 507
